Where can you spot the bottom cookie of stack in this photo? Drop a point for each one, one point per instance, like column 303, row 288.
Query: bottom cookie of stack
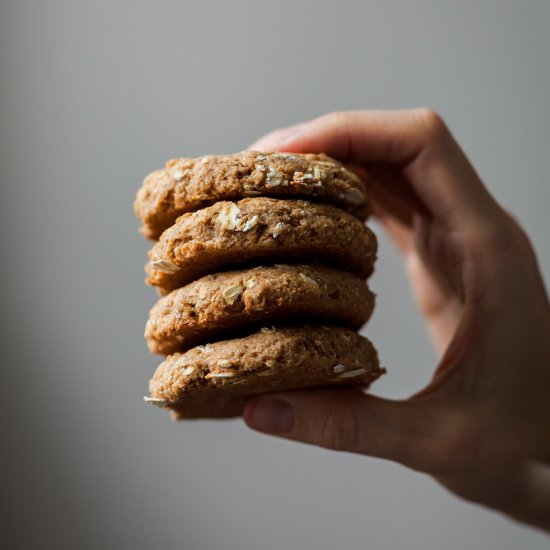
column 215, row 380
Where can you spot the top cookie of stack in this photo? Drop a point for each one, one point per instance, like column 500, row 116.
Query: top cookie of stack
column 186, row 185
column 237, row 211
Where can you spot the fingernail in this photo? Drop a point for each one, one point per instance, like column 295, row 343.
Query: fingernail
column 271, row 415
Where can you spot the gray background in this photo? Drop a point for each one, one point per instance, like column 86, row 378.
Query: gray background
column 94, row 95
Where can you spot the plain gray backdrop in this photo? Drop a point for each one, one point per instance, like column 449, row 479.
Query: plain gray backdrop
column 93, row 96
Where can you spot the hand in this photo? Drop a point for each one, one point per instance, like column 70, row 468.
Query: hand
column 481, row 427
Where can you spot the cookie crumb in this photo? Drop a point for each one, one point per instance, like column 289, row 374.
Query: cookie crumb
column 304, row 277
column 300, row 177
column 277, row 230
column 229, row 217
column 219, row 375
column 319, row 174
column 267, row 372
column 231, row 293
column 165, row 266
column 284, row 156
column 156, row 401
column 249, row 224
column 353, row 373
column 149, row 327
column 353, row 196
column 274, row 178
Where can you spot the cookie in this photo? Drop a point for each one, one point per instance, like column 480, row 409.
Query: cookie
column 186, row 185
column 258, row 230
column 216, row 379
column 217, row 304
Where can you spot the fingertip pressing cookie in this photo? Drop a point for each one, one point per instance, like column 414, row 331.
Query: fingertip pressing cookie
column 186, row 185
column 260, row 229
column 215, row 380
column 228, row 301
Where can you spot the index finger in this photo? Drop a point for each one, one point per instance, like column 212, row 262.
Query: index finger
column 416, row 141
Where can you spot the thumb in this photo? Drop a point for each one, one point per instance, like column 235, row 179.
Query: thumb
column 345, row 419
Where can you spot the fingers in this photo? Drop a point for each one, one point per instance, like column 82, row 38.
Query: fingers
column 393, row 202
column 416, row 141
column 346, row 419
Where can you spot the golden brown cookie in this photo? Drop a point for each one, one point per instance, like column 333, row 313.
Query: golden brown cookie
column 186, row 185
column 258, row 230
column 217, row 304
column 216, row 379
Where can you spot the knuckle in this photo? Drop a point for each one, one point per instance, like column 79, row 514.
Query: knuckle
column 432, row 124
column 518, row 235
column 339, row 432
column 465, row 441
column 328, row 118
column 501, row 236
column 489, row 234
column 456, row 447
column 473, row 443
column 339, row 118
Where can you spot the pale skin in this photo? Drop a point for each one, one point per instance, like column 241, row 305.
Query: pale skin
column 481, row 426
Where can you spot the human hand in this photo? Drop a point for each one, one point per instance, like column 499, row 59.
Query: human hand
column 481, row 427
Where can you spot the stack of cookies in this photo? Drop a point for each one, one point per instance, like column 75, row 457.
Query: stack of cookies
column 261, row 261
